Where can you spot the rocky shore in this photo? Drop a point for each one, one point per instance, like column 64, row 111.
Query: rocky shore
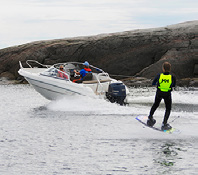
column 137, row 54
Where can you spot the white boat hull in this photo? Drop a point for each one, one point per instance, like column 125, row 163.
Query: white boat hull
column 48, row 84
column 53, row 89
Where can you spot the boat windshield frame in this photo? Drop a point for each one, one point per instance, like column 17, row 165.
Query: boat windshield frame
column 68, row 69
column 77, row 66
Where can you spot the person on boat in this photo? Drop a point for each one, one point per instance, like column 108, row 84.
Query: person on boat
column 85, row 73
column 61, row 73
column 165, row 82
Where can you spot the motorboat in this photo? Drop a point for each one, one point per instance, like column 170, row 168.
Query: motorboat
column 46, row 81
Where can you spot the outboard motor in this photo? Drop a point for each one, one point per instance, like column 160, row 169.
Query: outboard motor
column 116, row 93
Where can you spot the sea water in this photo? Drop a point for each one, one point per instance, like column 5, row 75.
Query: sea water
column 80, row 135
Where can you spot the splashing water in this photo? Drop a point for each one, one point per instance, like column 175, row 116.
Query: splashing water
column 81, row 135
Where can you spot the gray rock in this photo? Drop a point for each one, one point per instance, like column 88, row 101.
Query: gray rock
column 7, row 75
column 130, row 53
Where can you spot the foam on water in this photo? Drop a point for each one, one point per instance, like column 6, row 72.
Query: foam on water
column 184, row 111
column 185, row 97
column 88, row 105
column 139, row 103
column 147, row 95
column 81, row 135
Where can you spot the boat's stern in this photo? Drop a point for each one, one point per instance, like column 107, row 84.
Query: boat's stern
column 117, row 93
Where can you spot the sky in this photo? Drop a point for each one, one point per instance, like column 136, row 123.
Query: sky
column 24, row 21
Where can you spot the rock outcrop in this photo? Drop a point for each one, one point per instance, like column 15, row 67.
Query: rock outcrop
column 132, row 53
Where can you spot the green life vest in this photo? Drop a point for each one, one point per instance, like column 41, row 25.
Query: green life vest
column 165, row 82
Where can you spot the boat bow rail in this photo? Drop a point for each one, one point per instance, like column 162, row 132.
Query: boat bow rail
column 34, row 61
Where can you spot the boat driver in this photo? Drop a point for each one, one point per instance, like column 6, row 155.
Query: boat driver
column 85, row 73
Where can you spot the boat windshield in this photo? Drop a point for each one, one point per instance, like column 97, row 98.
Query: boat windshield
column 71, row 66
column 68, row 70
column 52, row 71
column 77, row 66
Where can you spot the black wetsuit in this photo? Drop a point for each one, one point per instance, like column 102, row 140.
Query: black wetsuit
column 163, row 95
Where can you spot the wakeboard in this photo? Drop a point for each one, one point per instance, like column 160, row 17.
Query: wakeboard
column 143, row 119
